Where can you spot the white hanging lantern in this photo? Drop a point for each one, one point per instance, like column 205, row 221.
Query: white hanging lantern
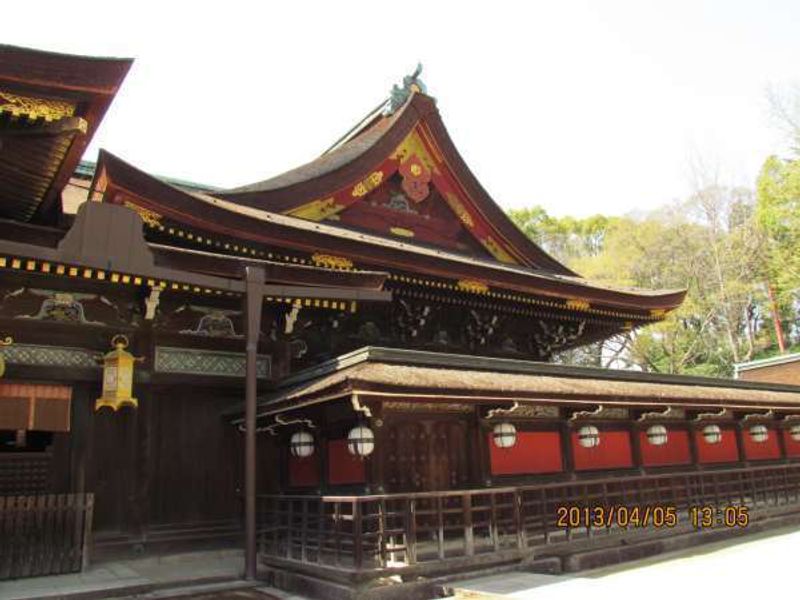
column 301, row 444
column 589, row 436
column 361, row 441
column 794, row 433
column 657, row 435
column 504, row 435
column 712, row 434
column 759, row 433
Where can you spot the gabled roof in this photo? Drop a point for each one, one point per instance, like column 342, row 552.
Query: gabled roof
column 340, row 178
column 50, row 107
column 120, row 183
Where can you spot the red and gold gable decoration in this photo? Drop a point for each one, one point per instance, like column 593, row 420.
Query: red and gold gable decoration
column 420, row 165
column 415, row 179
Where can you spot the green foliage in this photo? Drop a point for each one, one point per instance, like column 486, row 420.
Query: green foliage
column 778, row 214
column 710, row 245
column 566, row 238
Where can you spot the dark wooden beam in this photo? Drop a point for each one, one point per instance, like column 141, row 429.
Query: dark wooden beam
column 121, row 247
column 254, row 298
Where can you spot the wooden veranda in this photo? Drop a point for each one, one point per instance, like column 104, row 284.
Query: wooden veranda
column 355, row 539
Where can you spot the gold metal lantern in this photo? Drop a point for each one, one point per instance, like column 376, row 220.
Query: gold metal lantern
column 6, row 342
column 118, row 377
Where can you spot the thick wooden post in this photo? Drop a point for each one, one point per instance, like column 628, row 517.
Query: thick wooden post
column 693, row 452
column 779, row 431
column 254, row 297
column 80, row 451
column 636, row 446
column 740, row 432
column 566, row 446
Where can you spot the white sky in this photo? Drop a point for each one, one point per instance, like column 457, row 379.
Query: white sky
column 579, row 106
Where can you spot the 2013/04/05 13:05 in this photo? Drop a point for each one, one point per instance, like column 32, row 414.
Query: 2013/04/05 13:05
column 701, row 516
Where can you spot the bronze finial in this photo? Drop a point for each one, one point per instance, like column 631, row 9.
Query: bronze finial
column 399, row 95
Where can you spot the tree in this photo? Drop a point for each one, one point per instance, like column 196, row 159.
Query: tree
column 778, row 214
column 709, row 244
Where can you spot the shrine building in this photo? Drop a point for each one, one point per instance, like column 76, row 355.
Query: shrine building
column 346, row 368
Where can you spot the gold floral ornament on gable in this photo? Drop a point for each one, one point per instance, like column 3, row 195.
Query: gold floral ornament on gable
column 118, row 368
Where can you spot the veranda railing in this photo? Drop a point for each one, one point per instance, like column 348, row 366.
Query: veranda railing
column 368, row 536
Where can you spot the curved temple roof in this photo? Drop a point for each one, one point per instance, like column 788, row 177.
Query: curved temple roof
column 50, row 106
column 414, row 134
column 409, row 154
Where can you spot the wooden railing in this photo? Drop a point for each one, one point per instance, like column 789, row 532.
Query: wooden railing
column 425, row 532
column 44, row 534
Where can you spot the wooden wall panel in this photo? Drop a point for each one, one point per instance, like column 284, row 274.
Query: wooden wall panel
column 792, row 447
column 304, row 472
column 727, row 450
column 534, row 452
column 675, row 452
column 51, row 414
column 194, row 474
column 767, row 450
column 343, row 467
column 14, row 413
column 614, row 451
column 427, row 454
column 112, row 473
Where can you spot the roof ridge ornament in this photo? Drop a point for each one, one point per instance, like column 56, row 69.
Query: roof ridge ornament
column 399, row 95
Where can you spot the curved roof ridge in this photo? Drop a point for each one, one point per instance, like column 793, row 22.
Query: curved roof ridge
column 203, row 210
column 347, row 149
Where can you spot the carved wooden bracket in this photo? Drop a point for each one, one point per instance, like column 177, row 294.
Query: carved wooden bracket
column 669, row 413
column 601, row 412
column 759, row 417
column 723, row 413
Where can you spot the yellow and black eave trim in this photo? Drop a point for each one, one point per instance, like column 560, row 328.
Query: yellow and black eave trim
column 59, row 269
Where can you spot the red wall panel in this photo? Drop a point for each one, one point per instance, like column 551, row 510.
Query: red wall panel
column 614, row 452
column 304, row 472
column 344, row 467
column 792, row 447
column 727, row 450
column 674, row 452
column 761, row 451
column 534, row 452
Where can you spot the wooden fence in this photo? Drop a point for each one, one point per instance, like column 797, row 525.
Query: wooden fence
column 361, row 537
column 45, row 534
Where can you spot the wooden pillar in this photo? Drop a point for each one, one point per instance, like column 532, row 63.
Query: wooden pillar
column 144, row 462
column 81, row 436
column 484, row 450
column 377, row 483
column 740, row 433
column 142, row 451
column 779, row 431
column 254, row 298
column 566, row 444
column 693, row 445
column 322, row 460
column 636, row 446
